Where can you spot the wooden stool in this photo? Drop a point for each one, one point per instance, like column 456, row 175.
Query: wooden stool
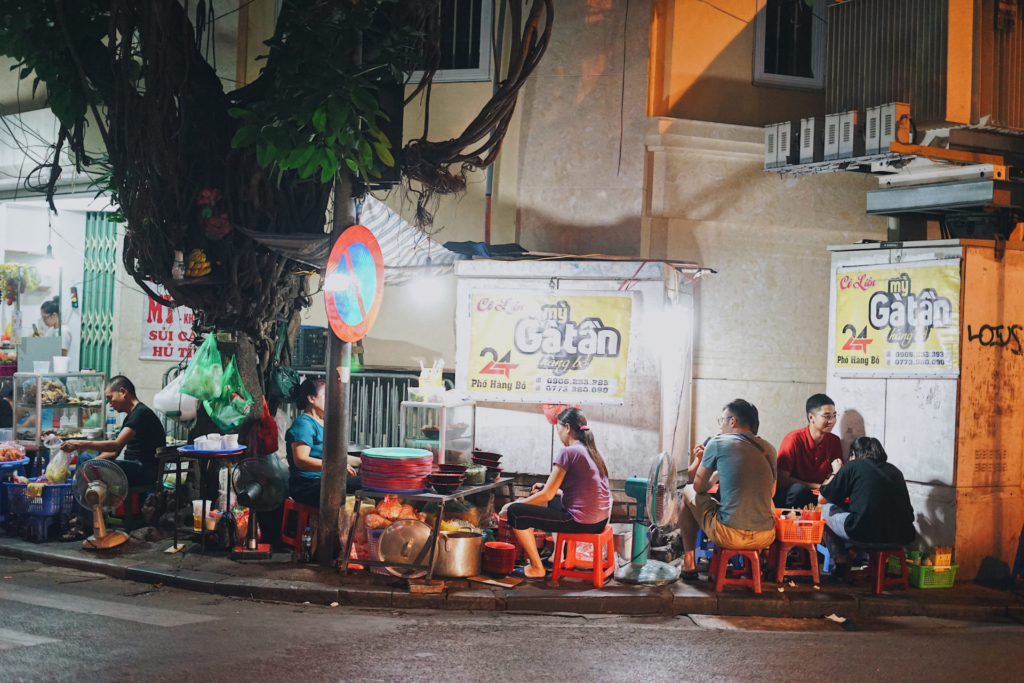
column 720, row 568
column 878, row 559
column 301, row 514
column 781, row 551
column 604, row 557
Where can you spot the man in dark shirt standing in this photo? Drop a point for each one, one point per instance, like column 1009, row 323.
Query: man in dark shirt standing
column 142, row 433
column 806, row 455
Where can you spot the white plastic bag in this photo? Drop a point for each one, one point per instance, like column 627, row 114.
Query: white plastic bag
column 174, row 404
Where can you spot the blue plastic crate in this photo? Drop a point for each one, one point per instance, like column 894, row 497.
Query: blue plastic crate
column 56, row 499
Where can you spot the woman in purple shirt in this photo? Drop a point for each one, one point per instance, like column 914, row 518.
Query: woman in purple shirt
column 580, row 473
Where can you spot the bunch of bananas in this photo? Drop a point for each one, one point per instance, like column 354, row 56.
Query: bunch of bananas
column 196, row 264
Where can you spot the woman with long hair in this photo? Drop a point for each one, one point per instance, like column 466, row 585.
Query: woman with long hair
column 49, row 314
column 879, row 512
column 585, row 503
column 304, row 442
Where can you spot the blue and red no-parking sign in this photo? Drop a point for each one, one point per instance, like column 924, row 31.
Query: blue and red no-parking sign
column 354, row 283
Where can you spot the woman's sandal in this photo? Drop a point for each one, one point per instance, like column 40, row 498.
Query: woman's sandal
column 689, row 576
column 520, row 573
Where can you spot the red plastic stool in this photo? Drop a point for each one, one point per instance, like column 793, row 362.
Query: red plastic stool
column 878, row 560
column 301, row 514
column 604, row 557
column 781, row 553
column 751, row 568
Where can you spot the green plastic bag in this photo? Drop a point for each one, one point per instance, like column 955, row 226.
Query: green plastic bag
column 234, row 403
column 203, row 377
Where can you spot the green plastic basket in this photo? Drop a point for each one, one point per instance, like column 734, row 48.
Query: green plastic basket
column 925, row 577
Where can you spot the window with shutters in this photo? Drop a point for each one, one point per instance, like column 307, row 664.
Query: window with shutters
column 789, row 43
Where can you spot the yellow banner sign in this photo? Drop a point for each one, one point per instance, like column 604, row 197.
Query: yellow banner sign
column 898, row 320
column 539, row 347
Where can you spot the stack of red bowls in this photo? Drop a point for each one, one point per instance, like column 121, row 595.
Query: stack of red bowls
column 507, row 535
column 499, row 558
column 492, row 461
column 396, row 470
column 446, row 484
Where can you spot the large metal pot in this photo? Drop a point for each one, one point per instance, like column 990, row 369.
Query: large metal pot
column 458, row 554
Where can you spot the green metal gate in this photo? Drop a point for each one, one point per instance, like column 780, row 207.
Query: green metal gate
column 98, row 292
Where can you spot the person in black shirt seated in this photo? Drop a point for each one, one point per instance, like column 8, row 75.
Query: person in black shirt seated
column 6, row 407
column 879, row 513
column 142, row 433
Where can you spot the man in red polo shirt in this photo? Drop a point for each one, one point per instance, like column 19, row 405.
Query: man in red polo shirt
column 806, row 455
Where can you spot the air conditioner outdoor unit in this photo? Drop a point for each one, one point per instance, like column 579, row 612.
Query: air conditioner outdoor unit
column 788, row 152
column 832, row 137
column 872, row 130
column 893, row 127
column 812, row 140
column 851, row 137
column 771, row 145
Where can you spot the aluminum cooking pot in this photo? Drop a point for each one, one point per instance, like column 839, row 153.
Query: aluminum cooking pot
column 458, row 554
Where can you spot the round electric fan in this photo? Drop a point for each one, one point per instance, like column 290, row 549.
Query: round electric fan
column 102, row 486
column 657, row 503
column 260, row 485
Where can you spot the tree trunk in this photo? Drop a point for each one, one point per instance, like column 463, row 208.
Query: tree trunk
column 335, row 455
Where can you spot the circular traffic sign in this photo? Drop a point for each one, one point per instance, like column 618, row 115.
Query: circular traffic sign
column 354, row 283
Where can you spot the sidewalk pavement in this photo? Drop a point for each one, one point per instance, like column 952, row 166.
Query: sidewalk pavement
column 282, row 580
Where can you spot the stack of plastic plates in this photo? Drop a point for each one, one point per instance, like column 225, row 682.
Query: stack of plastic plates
column 396, row 470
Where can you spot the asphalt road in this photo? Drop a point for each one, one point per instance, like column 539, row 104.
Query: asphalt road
column 65, row 625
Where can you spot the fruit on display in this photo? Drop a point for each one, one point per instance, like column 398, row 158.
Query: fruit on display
column 17, row 278
column 196, row 264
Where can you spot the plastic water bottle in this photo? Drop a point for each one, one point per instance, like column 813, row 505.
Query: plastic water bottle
column 111, row 422
column 307, row 545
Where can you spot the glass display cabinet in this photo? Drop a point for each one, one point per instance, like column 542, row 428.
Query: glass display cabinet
column 71, row 405
column 446, row 428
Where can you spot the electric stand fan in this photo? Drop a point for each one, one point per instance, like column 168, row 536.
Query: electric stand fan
column 656, row 504
column 260, row 486
column 102, row 486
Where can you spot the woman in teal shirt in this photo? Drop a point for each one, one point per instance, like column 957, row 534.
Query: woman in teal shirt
column 305, row 444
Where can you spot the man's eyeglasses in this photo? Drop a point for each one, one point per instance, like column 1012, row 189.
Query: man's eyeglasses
column 723, row 420
column 829, row 417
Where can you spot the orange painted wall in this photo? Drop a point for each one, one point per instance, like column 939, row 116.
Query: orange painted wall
column 702, row 67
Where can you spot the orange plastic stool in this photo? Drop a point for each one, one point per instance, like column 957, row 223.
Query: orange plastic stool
column 751, row 568
column 878, row 560
column 781, row 552
column 301, row 514
column 604, row 557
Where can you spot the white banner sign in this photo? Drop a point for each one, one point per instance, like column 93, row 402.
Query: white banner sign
column 166, row 332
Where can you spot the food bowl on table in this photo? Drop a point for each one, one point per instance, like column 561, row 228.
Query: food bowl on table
column 475, row 475
column 445, row 489
column 492, row 474
column 452, row 468
column 430, row 431
column 499, row 559
column 446, row 484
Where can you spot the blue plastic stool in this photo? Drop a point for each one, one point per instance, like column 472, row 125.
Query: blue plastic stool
column 828, row 565
column 706, row 548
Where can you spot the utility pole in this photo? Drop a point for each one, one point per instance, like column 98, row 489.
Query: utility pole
column 334, row 474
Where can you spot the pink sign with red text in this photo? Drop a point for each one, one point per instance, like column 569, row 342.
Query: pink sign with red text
column 166, row 332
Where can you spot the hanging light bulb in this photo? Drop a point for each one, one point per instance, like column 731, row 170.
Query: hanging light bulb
column 49, row 265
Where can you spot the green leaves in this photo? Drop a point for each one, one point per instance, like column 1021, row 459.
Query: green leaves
column 245, row 136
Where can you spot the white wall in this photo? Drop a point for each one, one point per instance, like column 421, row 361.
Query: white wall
column 130, row 302
column 416, row 322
